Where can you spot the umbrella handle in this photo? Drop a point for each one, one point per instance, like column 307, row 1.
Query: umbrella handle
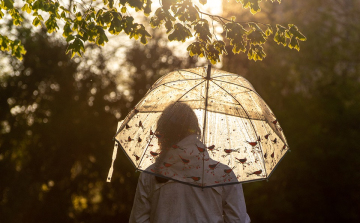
column 111, row 170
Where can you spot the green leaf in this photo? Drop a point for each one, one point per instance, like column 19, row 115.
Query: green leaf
column 239, row 45
column 67, row 30
column 294, row 43
column 256, row 35
column 144, row 34
column 107, row 17
column 203, row 1
column 51, row 24
column 196, row 49
column 16, row 48
column 269, row 30
column 234, row 30
column 70, row 38
column 167, row 3
column 180, row 33
column 76, row 47
column 220, row 46
column 64, row 9
column 15, row 15
column 279, row 37
column 116, row 26
column 101, row 38
column 78, row 16
column 169, row 26
column 256, row 53
column 111, row 4
column 252, row 4
column 36, row 21
column 137, row 4
column 256, row 38
column 202, row 30
column 8, row 4
column 212, row 54
column 186, row 12
column 26, row 8
column 294, row 31
column 4, row 43
column 99, row 13
column 37, row 5
column 147, row 8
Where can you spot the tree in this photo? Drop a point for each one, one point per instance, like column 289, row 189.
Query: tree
column 57, row 120
column 55, row 144
column 182, row 19
column 315, row 98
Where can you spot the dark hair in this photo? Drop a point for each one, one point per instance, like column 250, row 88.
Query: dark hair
column 177, row 121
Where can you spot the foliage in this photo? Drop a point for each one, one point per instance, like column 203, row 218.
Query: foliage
column 182, row 19
column 57, row 120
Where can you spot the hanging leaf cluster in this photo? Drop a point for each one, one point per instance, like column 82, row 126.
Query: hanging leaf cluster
column 182, row 20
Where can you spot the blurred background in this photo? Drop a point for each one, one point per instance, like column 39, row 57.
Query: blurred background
column 58, row 117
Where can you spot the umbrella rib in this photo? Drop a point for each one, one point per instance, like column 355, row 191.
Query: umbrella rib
column 248, row 118
column 190, row 90
column 130, row 115
column 174, row 87
column 262, row 155
column 250, row 90
column 236, row 85
column 172, row 82
column 277, row 164
column 127, row 155
column 225, row 75
column 190, row 72
column 234, row 99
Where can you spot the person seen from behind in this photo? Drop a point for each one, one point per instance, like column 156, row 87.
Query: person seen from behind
column 160, row 199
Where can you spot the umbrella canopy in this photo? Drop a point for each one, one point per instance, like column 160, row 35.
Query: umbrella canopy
column 203, row 127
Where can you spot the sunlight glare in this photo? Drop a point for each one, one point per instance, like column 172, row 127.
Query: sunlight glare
column 213, row 7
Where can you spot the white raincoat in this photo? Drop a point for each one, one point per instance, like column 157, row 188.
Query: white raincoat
column 174, row 202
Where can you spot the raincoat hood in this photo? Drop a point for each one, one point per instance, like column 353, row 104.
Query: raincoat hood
column 185, row 162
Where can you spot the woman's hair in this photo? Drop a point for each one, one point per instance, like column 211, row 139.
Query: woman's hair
column 177, row 121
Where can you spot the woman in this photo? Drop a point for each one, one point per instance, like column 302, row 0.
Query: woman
column 160, row 199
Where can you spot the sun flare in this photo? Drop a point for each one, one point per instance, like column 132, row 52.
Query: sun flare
column 213, row 6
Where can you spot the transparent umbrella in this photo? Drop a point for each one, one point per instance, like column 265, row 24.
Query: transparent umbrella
column 230, row 134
